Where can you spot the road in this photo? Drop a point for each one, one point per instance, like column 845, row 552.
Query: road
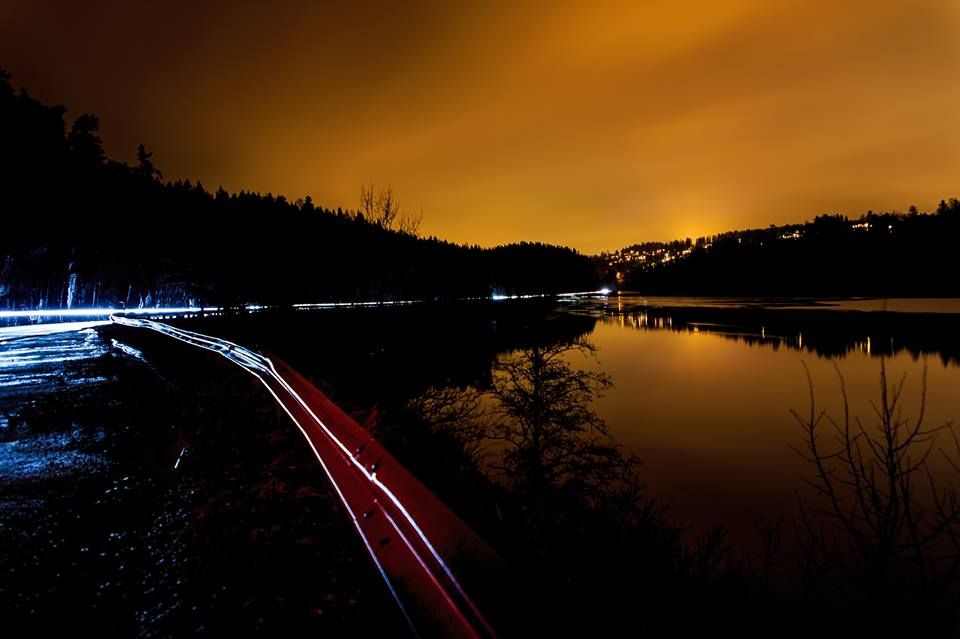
column 444, row 578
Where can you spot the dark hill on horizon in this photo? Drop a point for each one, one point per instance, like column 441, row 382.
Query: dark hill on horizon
column 80, row 229
column 877, row 255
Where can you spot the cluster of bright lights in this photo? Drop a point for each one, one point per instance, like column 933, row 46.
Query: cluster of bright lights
column 497, row 297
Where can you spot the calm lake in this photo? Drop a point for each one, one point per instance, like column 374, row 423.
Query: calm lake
column 706, row 405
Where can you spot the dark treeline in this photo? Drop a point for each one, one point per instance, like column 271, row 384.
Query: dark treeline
column 80, row 229
column 879, row 254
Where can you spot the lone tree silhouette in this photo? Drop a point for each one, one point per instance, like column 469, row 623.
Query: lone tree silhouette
column 85, row 142
column 145, row 165
column 542, row 414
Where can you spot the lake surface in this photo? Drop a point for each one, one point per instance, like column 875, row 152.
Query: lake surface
column 706, row 405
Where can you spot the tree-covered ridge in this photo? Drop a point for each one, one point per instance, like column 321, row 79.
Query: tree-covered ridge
column 877, row 254
column 80, row 229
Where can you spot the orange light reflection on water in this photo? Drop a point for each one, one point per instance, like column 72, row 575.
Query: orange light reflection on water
column 709, row 416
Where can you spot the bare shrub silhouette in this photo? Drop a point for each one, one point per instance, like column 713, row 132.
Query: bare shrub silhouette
column 534, row 428
column 882, row 530
column 541, row 419
column 381, row 207
column 458, row 412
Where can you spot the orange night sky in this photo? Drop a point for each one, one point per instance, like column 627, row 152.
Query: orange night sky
column 592, row 124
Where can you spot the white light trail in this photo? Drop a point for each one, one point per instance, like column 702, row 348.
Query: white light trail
column 193, row 310
column 101, row 312
column 129, row 350
column 256, row 364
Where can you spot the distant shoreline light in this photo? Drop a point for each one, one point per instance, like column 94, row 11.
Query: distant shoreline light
column 498, row 297
column 180, row 310
column 101, row 312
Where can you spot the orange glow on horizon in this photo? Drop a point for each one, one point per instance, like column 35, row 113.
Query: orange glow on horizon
column 591, row 124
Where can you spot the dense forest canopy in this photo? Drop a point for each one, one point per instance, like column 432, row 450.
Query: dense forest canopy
column 80, row 229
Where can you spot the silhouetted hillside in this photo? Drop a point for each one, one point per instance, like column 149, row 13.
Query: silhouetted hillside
column 80, row 229
column 885, row 254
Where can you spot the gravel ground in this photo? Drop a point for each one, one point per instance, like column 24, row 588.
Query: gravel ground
column 149, row 490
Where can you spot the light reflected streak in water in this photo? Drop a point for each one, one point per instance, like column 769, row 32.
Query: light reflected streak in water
column 36, row 330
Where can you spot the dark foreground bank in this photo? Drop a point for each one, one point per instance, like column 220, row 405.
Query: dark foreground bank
column 165, row 496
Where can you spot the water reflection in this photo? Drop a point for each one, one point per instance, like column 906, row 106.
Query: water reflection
column 704, row 399
column 824, row 333
column 570, row 514
column 534, row 428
